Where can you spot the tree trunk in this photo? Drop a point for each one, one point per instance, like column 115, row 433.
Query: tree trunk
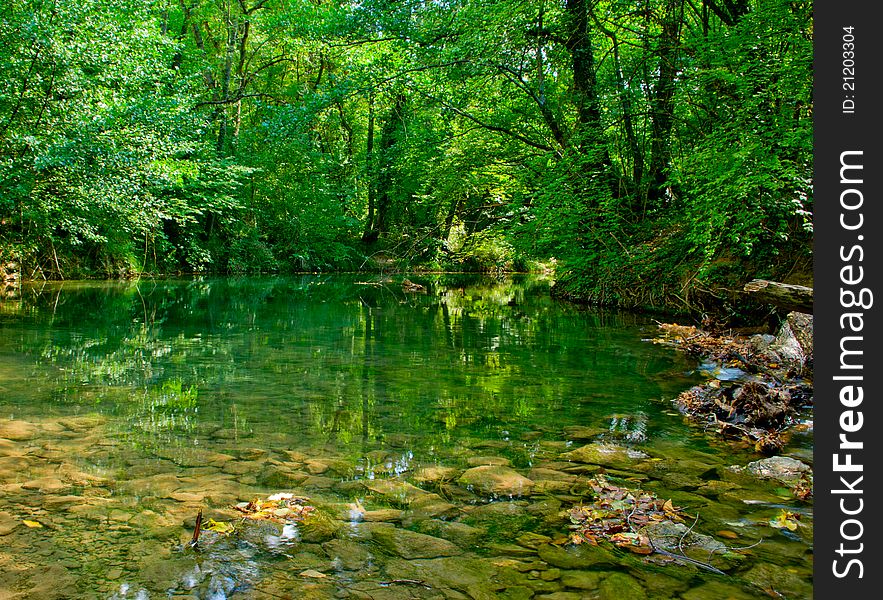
column 588, row 131
column 392, row 129
column 662, row 105
column 579, row 43
column 370, row 234
column 226, row 77
column 782, row 295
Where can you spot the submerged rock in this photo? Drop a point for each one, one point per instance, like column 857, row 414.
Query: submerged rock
column 607, row 455
column 349, row 555
column 480, row 461
column 578, row 557
column 778, row 468
column 435, row 474
column 619, row 586
column 399, row 493
column 459, row 533
column 773, row 577
column 8, row 523
column 17, row 430
column 410, row 544
column 496, row 481
column 582, row 433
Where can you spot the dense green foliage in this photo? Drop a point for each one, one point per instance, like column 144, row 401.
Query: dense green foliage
column 653, row 149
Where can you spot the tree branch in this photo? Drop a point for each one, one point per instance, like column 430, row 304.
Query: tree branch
column 488, row 126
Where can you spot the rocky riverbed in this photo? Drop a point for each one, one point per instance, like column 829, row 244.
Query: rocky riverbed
column 85, row 514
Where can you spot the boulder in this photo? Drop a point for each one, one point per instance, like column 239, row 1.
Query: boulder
column 578, row 557
column 496, row 481
column 435, row 474
column 620, row 586
column 479, row 461
column 397, row 492
column 607, row 455
column 410, row 544
column 778, row 468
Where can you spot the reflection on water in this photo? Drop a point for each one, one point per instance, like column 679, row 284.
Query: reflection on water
column 406, row 418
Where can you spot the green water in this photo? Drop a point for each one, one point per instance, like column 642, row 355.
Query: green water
column 126, row 407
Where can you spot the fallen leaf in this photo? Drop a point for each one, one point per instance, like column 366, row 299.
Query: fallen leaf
column 32, row 524
column 785, row 520
column 219, row 526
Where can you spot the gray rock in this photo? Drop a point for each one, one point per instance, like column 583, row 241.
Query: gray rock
column 779, row 468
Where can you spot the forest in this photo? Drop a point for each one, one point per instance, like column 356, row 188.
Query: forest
column 652, row 153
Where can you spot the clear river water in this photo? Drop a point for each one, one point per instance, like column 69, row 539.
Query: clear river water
column 441, row 437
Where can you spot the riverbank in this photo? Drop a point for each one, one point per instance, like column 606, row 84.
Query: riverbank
column 759, row 389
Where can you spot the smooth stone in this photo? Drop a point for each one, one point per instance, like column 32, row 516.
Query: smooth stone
column 496, row 480
column 458, row 573
column 280, row 478
column 461, row 534
column 541, row 473
column 410, row 544
column 560, row 596
column 619, row 586
column 8, row 523
column 510, row 550
column 383, row 515
column 607, row 455
column 399, row 493
column 317, row 467
column 82, row 423
column 578, row 557
column 306, row 559
column 429, row 508
column 319, row 528
column 775, row 577
column 550, row 574
column 716, row 589
column 488, row 461
column 46, row 485
column 581, row 580
column 11, row 467
column 516, row 592
column 8, row 447
column 61, row 502
column 581, row 433
column 779, row 468
column 186, row 497
column 241, row 467
column 544, row 487
column 350, row 555
column 532, row 540
column 435, row 474
column 318, row 482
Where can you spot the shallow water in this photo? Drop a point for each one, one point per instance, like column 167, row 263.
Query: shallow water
column 127, row 407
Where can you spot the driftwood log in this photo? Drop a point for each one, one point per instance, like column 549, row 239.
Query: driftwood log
column 782, row 295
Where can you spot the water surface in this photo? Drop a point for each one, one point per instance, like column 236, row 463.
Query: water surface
column 127, row 407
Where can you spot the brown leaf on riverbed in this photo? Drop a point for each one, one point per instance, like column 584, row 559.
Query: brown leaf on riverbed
column 281, row 508
column 618, row 516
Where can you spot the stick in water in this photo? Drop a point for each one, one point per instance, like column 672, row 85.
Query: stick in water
column 196, row 530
